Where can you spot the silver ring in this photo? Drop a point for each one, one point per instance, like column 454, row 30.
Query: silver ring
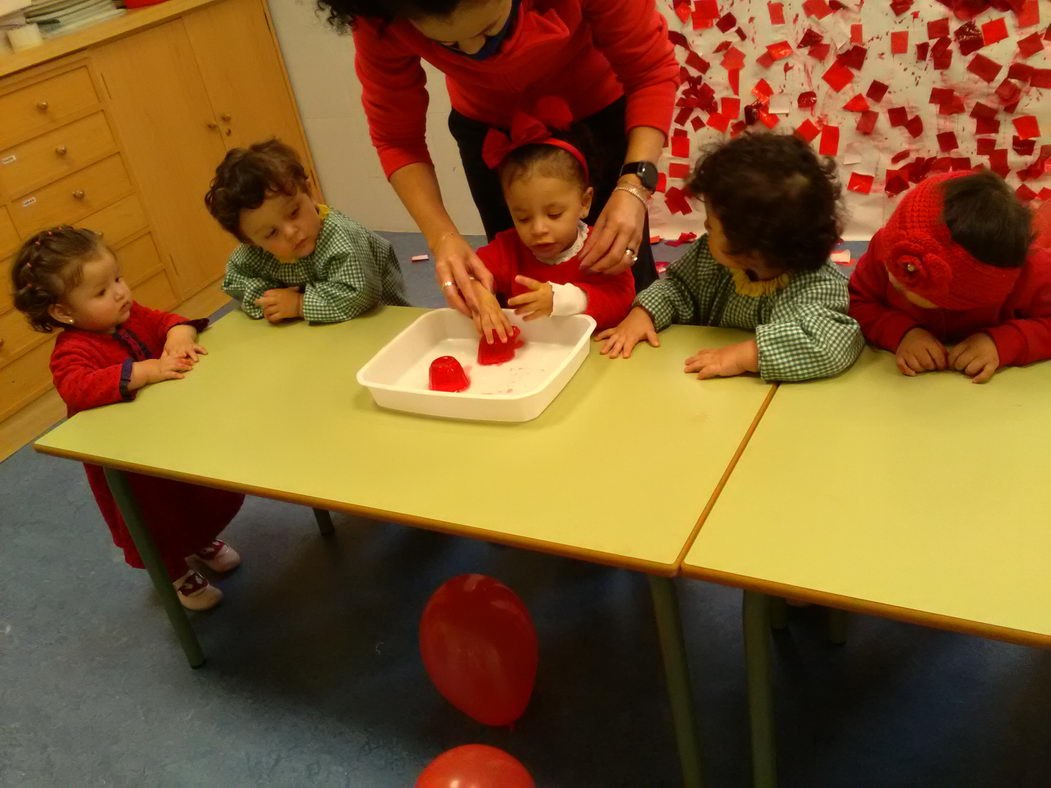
column 450, row 283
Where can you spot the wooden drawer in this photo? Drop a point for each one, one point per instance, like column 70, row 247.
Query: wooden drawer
column 8, row 236
column 16, row 336
column 25, row 379
column 118, row 221
column 139, row 260
column 45, row 104
column 57, row 153
column 157, row 293
column 71, row 199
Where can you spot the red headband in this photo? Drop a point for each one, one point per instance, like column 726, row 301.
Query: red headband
column 525, row 130
column 924, row 259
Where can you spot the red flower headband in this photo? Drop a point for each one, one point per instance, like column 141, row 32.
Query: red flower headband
column 924, row 259
column 528, row 130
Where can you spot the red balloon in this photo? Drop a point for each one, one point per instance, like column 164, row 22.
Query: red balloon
column 475, row 766
column 479, row 647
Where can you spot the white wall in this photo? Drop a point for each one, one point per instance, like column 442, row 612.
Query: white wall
column 321, row 67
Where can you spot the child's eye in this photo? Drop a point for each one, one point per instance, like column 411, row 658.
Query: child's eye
column 554, row 215
column 270, row 234
column 295, row 212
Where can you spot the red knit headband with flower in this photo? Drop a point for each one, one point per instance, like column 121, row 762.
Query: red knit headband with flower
column 534, row 129
column 924, row 259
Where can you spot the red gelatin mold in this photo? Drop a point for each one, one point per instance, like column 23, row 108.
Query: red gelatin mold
column 447, row 375
column 499, row 352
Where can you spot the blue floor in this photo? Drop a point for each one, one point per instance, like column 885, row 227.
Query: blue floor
column 314, row 676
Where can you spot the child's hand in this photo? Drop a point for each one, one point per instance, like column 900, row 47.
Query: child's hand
column 157, row 370
column 284, row 303
column 920, row 351
column 490, row 319
column 535, row 304
column 724, row 362
column 182, row 343
column 620, row 341
column 976, row 357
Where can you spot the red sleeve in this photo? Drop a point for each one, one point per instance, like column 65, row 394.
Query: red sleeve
column 498, row 257
column 633, row 36
column 394, row 94
column 1027, row 339
column 882, row 324
column 159, row 323
column 609, row 297
column 80, row 381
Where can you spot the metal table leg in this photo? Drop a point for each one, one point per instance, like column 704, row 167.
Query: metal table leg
column 760, row 688
column 151, row 557
column 677, row 675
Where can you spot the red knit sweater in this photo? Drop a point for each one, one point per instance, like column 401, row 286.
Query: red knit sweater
column 609, row 297
column 86, row 366
column 589, row 52
column 1020, row 326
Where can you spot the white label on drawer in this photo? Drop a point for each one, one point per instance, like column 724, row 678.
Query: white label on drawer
column 28, row 201
column 10, row 159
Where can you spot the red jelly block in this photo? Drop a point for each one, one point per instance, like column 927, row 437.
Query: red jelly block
column 498, row 352
column 447, row 375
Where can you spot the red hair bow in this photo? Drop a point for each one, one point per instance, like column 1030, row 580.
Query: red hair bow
column 529, row 130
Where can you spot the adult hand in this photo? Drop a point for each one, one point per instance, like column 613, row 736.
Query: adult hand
column 920, row 351
column 724, row 362
column 181, row 342
column 620, row 341
column 282, row 303
column 455, row 265
column 618, row 230
column 976, row 357
column 537, row 303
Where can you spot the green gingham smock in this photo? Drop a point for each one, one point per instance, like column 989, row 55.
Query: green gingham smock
column 802, row 329
column 350, row 271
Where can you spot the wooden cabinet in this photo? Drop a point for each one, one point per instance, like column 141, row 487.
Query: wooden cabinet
column 119, row 127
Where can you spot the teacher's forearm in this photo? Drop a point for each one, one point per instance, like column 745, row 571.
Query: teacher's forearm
column 645, row 143
column 417, row 187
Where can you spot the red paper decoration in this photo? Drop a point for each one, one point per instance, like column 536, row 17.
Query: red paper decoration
column 838, row 76
column 994, row 30
column 807, row 131
column 777, row 13
column 1027, row 127
column 1030, row 45
column 984, row 68
column 829, row 141
column 867, row 122
column 899, row 42
column 862, row 184
column 877, row 90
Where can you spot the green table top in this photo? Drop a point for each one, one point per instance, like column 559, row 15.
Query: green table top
column 617, row 470
column 926, row 499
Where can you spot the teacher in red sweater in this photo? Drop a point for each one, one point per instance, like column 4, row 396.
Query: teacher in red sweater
column 610, row 60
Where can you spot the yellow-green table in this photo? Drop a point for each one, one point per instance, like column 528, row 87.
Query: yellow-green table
column 922, row 499
column 616, row 471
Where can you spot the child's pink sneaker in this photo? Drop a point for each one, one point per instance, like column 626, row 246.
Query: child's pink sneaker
column 196, row 593
column 218, row 556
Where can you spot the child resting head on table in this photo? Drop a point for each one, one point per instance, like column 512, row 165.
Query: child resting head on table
column 109, row 348
column 297, row 258
column 772, row 219
column 545, row 178
column 955, row 265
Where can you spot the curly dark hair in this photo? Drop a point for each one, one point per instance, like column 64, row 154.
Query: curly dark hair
column 248, row 176
column 986, row 218
column 774, row 197
column 47, row 266
column 551, row 160
column 341, row 14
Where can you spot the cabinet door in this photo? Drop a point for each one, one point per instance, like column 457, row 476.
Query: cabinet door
column 245, row 78
column 166, row 126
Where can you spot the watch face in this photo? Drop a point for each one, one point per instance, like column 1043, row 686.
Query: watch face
column 647, row 173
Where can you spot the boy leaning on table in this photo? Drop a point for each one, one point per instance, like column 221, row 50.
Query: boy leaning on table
column 954, row 280
column 297, row 258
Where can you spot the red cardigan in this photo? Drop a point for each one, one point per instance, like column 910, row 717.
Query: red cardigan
column 87, row 367
column 1020, row 326
column 609, row 297
column 589, row 52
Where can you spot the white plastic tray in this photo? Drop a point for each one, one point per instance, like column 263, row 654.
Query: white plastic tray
column 518, row 390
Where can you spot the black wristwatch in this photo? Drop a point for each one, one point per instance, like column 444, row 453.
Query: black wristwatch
column 646, row 171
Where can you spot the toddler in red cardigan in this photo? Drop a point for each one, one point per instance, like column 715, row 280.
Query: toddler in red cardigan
column 953, row 280
column 536, row 265
column 108, row 349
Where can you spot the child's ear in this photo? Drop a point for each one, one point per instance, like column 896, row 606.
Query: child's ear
column 60, row 313
column 585, row 202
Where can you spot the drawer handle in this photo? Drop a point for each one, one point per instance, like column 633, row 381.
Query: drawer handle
column 213, row 126
column 61, row 150
column 1, row 342
column 78, row 194
column 226, row 117
column 42, row 105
